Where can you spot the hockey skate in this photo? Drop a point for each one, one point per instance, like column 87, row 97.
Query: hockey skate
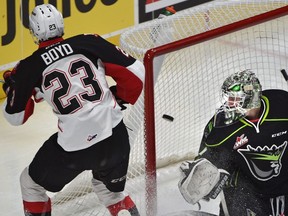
column 125, row 207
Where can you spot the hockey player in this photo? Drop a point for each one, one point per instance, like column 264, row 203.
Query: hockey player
column 69, row 74
column 243, row 151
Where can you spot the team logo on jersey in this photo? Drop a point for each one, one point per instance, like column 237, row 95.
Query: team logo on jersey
column 264, row 162
column 240, row 141
column 91, row 137
column 118, row 179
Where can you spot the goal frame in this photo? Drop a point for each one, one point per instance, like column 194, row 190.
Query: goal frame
column 149, row 109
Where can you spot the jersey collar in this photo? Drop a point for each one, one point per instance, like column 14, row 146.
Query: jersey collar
column 50, row 42
column 264, row 112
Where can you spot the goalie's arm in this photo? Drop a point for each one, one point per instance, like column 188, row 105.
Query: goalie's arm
column 201, row 180
column 207, row 130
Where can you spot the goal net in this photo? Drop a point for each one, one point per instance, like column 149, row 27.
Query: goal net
column 187, row 56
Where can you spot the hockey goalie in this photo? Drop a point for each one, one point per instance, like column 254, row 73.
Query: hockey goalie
column 240, row 140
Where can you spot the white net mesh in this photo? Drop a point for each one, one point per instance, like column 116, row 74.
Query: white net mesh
column 187, row 87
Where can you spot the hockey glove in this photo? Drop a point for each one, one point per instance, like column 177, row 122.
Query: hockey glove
column 8, row 81
column 118, row 100
column 201, row 180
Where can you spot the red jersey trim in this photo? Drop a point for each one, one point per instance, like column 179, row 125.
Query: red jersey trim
column 50, row 42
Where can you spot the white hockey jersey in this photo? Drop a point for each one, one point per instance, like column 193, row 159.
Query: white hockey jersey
column 70, row 75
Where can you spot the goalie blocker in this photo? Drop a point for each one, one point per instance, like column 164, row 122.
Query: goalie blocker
column 201, row 180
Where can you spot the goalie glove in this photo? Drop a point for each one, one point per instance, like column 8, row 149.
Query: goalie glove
column 201, row 180
column 118, row 100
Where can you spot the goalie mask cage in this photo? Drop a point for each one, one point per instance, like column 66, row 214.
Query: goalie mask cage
column 187, row 56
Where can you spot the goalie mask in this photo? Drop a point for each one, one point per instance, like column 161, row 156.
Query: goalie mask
column 240, row 93
column 45, row 22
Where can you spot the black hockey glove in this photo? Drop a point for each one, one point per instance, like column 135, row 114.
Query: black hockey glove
column 119, row 100
column 8, row 81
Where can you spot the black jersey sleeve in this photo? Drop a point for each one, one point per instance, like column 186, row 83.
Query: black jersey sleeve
column 19, row 105
column 216, row 154
column 100, row 48
column 206, row 133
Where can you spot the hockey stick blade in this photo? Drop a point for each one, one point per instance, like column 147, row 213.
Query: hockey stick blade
column 189, row 213
column 284, row 73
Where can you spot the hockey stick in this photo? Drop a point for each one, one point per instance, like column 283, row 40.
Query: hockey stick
column 2, row 81
column 189, row 213
column 285, row 75
column 223, row 203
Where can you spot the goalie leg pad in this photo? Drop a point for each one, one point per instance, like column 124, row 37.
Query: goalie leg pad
column 198, row 180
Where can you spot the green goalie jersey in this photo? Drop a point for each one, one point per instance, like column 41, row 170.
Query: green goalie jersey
column 257, row 149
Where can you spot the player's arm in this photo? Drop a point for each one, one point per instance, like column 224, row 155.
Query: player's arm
column 129, row 81
column 126, row 71
column 202, row 148
column 16, row 108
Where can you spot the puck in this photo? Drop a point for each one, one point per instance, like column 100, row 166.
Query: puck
column 167, row 117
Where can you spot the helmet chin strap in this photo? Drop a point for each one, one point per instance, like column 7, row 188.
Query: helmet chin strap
column 34, row 38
